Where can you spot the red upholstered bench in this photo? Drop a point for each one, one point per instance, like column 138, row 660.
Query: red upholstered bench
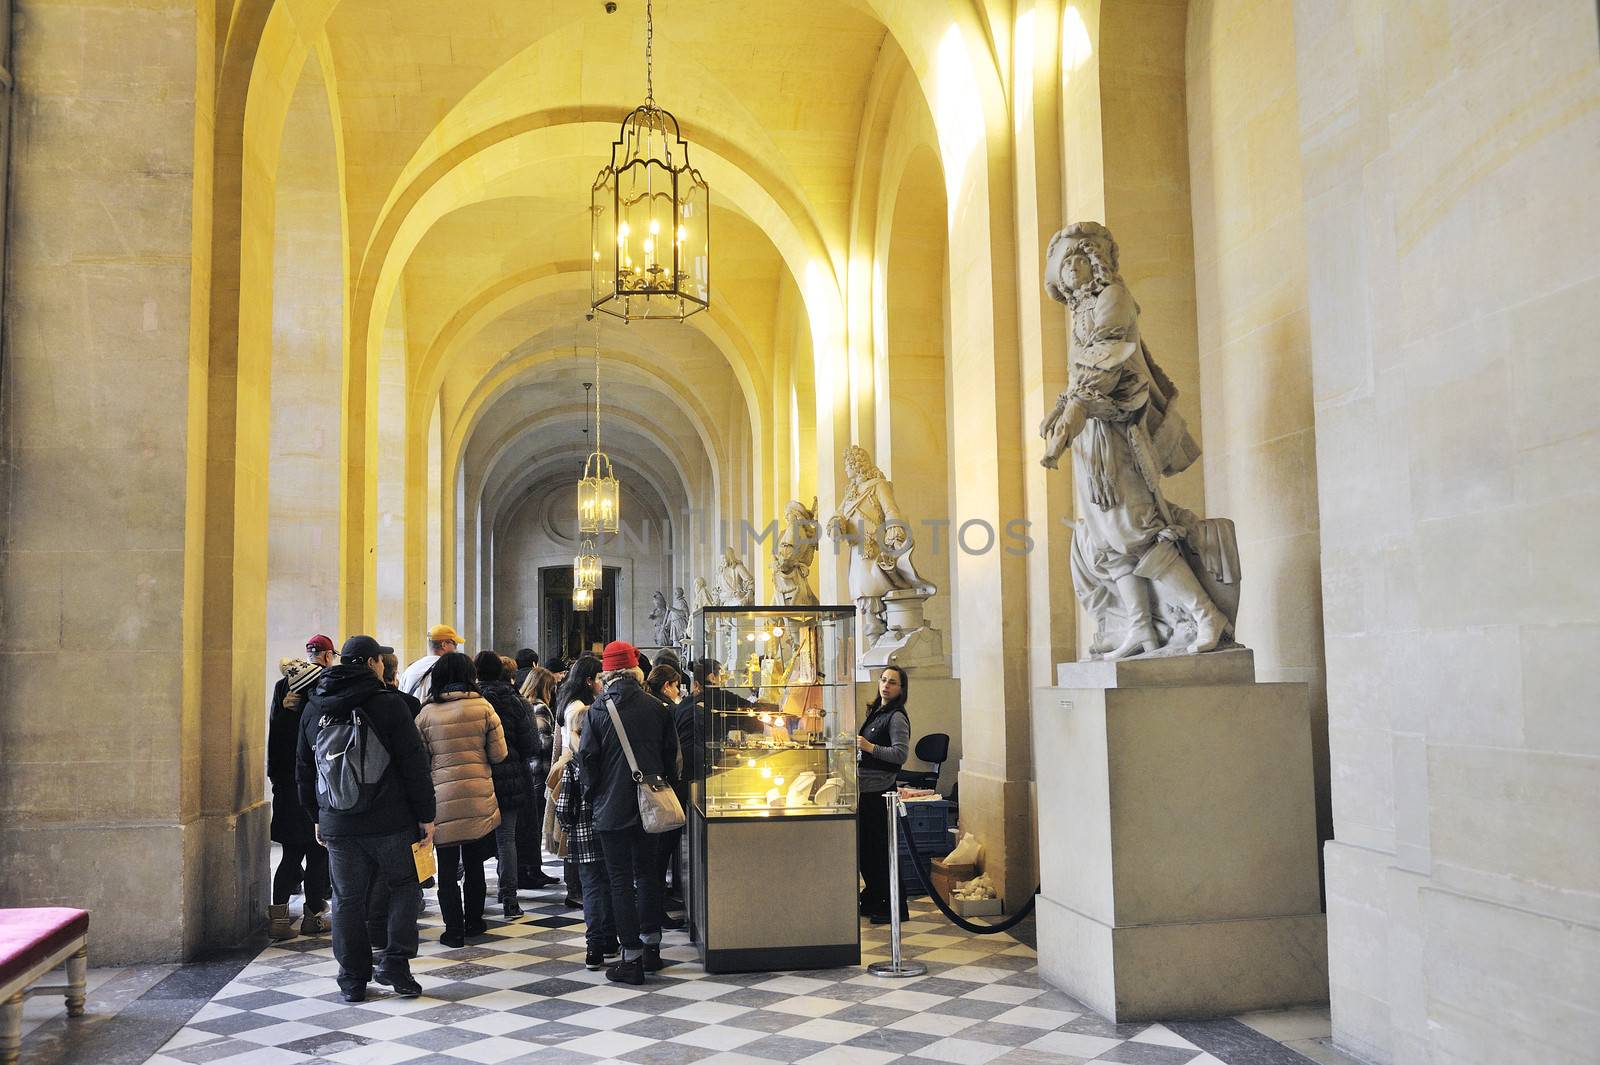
column 33, row 942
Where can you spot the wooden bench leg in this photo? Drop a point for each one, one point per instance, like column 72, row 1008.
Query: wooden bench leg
column 11, row 1029
column 77, row 981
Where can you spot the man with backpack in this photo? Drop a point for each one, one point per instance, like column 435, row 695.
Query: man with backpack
column 365, row 780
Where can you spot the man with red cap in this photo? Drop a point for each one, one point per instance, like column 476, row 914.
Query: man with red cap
column 607, row 781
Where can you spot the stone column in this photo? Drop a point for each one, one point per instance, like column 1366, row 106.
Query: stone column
column 100, row 802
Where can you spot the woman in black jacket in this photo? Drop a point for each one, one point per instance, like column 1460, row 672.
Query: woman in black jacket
column 511, row 780
column 291, row 828
column 538, row 688
column 883, row 744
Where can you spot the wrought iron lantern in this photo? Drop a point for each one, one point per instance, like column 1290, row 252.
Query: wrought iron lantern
column 586, row 567
column 582, row 598
column 651, row 211
column 599, row 497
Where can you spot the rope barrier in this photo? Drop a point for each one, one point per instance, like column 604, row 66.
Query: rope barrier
column 919, row 860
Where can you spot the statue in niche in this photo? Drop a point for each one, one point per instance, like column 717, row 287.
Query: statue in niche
column 702, row 594
column 678, row 620
column 889, row 593
column 1156, row 578
column 793, row 553
column 660, row 619
column 736, row 585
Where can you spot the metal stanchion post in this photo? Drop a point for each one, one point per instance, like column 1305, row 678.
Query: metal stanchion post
column 895, row 966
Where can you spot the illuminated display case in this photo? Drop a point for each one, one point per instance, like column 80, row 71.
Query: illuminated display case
column 776, row 732
column 773, row 789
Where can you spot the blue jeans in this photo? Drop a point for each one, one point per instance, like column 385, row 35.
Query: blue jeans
column 358, row 865
column 599, row 927
column 505, row 844
column 635, row 888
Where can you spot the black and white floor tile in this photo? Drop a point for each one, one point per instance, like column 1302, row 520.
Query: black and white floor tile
column 520, row 994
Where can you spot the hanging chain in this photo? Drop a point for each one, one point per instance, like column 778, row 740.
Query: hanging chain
column 649, row 48
column 597, row 387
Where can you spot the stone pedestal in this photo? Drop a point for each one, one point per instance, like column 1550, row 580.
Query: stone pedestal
column 908, row 639
column 1178, row 842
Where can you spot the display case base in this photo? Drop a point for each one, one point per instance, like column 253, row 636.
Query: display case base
column 775, row 893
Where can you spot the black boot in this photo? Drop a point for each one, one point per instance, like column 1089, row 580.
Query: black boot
column 626, row 972
column 652, row 960
column 509, row 908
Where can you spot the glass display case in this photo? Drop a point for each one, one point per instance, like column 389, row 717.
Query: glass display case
column 772, row 812
column 776, row 732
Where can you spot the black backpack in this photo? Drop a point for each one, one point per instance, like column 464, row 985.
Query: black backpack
column 351, row 761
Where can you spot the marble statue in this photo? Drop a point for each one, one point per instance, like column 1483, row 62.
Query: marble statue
column 1156, row 578
column 793, row 553
column 888, row 592
column 678, row 620
column 660, row 619
column 702, row 595
column 736, row 585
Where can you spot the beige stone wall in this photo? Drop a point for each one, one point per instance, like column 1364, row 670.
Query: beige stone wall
column 1254, row 329
column 307, row 363
column 1449, row 156
column 103, row 775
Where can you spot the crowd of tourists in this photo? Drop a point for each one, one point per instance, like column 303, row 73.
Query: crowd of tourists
column 380, row 776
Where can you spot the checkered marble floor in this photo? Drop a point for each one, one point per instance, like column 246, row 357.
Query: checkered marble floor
column 520, row 994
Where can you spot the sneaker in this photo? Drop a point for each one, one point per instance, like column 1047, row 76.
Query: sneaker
column 572, row 903
column 510, row 909
column 404, row 984
column 672, row 924
column 356, row 993
column 612, row 949
column 453, row 939
column 653, row 961
column 312, row 924
column 594, row 959
column 626, row 972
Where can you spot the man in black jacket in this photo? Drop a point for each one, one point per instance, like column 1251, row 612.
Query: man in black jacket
column 607, row 780
column 371, row 849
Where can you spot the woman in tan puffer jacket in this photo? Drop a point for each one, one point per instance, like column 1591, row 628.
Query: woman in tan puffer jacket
column 463, row 736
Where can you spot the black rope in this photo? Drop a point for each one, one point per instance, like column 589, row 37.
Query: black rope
column 918, row 860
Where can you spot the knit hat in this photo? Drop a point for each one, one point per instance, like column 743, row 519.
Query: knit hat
column 300, row 673
column 619, row 654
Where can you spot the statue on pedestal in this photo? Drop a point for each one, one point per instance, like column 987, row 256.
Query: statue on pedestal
column 1154, row 576
column 889, row 593
column 660, row 619
column 793, row 553
column 736, row 585
column 678, row 620
column 702, row 595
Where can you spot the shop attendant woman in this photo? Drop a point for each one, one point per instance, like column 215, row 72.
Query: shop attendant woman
column 883, row 745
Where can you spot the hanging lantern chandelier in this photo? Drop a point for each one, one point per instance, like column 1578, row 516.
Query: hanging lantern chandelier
column 599, row 505
column 586, row 567
column 651, row 210
column 582, row 598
